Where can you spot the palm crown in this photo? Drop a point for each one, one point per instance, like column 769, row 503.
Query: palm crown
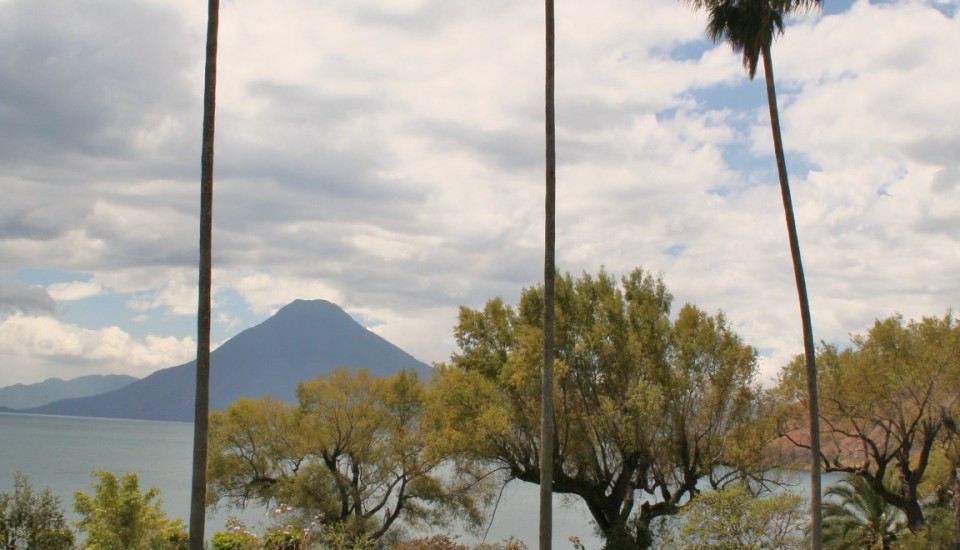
column 749, row 25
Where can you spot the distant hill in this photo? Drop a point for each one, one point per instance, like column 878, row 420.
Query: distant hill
column 303, row 340
column 23, row 396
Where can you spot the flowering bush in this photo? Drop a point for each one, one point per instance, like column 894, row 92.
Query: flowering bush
column 235, row 537
column 173, row 537
column 444, row 542
column 283, row 538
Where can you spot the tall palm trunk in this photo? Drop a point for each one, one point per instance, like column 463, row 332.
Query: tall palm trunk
column 549, row 273
column 198, row 490
column 816, row 504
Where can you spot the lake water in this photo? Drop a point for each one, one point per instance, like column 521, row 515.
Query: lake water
column 59, row 452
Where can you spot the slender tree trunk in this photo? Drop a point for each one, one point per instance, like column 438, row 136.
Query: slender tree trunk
column 198, row 490
column 809, row 351
column 549, row 273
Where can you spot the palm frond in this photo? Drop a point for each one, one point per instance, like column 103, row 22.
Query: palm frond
column 748, row 25
column 858, row 517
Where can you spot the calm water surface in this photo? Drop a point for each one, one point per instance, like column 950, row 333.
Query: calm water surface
column 60, row 452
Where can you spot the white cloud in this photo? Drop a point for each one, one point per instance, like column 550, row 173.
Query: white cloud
column 266, row 293
column 74, row 290
column 35, row 348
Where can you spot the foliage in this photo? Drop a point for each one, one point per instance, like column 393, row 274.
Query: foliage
column 32, row 521
column 749, row 26
column 279, row 538
column 119, row 516
column 172, row 537
column 859, row 517
column 340, row 537
column 734, row 518
column 937, row 532
column 353, row 455
column 444, row 542
column 232, row 540
column 647, row 408
column 885, row 404
column 236, row 536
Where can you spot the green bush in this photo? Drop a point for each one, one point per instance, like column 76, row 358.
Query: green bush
column 173, row 537
column 118, row 515
column 283, row 538
column 436, row 542
column 233, row 540
column 444, row 542
column 32, row 522
column 235, row 537
column 937, row 531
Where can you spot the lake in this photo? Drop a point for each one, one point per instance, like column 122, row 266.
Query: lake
column 59, row 452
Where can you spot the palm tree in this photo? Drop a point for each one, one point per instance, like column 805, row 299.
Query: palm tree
column 198, row 490
column 549, row 273
column 860, row 518
column 750, row 26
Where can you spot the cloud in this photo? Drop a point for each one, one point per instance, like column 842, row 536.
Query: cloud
column 18, row 297
column 75, row 290
column 35, row 348
column 125, row 73
column 387, row 156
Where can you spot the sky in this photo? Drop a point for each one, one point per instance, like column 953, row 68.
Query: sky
column 387, row 155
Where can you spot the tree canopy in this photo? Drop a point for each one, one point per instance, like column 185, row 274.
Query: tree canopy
column 886, row 404
column 32, row 520
column 120, row 516
column 733, row 518
column 648, row 408
column 352, row 454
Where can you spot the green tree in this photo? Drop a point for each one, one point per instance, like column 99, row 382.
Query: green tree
column 947, row 483
column 30, row 521
column 859, row 518
column 885, row 403
column 647, row 408
column 444, row 542
column 119, row 516
column 938, row 532
column 198, row 485
column 749, row 26
column 547, row 426
column 735, row 519
column 353, row 454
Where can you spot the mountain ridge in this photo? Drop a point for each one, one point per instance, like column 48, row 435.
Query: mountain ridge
column 302, row 340
column 24, row 396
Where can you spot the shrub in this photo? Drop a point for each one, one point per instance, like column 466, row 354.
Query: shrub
column 235, row 537
column 229, row 540
column 937, row 531
column 32, row 522
column 283, row 538
column 120, row 516
column 173, row 537
column 444, row 542
column 436, row 542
